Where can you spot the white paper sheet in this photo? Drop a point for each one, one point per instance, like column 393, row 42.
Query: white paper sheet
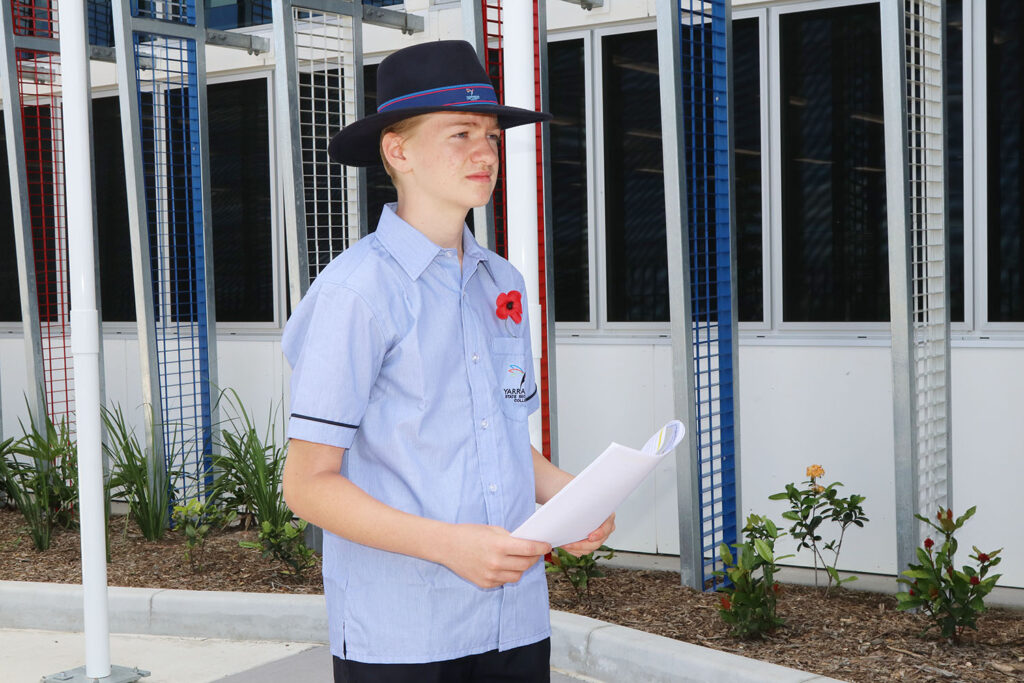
column 598, row 490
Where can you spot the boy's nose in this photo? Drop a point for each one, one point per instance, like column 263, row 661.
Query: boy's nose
column 485, row 151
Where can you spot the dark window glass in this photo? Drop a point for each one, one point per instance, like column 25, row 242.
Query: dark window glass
column 100, row 20
column 569, row 180
column 44, row 209
column 954, row 66
column 379, row 190
column 834, row 239
column 746, row 89
column 228, row 14
column 240, row 201
column 10, row 302
column 1005, row 156
column 637, row 267
column 182, row 221
column 114, row 251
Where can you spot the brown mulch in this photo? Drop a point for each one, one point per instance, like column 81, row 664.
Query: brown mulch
column 852, row 635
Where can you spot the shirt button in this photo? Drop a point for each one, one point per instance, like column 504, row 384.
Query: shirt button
column 483, row 423
column 476, row 358
column 492, row 488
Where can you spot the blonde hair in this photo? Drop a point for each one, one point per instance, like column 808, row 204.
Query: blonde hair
column 404, row 129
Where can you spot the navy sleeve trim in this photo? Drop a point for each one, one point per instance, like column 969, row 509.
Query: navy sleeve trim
column 328, row 422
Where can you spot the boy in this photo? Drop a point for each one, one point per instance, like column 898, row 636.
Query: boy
column 412, row 383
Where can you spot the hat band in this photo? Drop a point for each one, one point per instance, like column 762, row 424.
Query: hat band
column 450, row 96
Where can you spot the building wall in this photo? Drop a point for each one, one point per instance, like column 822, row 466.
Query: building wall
column 803, row 403
column 822, row 397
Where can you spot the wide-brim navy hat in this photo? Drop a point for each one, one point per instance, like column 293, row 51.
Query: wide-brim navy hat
column 443, row 75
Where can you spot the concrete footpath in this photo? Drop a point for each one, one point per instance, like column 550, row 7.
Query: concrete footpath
column 206, row 636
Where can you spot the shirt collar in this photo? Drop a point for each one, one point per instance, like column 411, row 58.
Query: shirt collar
column 413, row 250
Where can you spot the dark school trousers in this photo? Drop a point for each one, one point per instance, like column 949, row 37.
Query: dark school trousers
column 526, row 664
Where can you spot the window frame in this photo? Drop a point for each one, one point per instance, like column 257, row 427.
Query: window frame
column 595, row 256
column 767, row 180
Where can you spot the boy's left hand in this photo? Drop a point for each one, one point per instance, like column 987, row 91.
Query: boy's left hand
column 594, row 540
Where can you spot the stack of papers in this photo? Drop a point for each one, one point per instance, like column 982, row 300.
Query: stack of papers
column 597, row 491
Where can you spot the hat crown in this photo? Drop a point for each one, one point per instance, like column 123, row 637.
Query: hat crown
column 427, row 67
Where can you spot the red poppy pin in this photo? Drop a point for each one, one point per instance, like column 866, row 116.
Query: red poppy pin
column 510, row 305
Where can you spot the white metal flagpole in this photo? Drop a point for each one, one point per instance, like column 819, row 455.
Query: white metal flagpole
column 85, row 337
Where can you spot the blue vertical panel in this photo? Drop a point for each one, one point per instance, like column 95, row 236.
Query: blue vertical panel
column 168, row 97
column 705, row 110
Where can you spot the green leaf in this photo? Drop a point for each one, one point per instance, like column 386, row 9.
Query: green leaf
column 763, row 549
column 723, row 551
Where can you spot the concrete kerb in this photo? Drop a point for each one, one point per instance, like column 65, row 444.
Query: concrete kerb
column 579, row 644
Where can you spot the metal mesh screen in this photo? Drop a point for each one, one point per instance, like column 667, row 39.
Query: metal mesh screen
column 705, row 111
column 171, row 155
column 927, row 242
column 326, row 75
column 38, row 76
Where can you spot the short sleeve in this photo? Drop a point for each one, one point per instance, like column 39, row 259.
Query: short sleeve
column 336, row 349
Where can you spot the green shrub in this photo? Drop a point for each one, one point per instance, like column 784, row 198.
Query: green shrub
column 249, row 468
column 195, row 520
column 748, row 605
column 579, row 570
column 809, row 508
column 287, row 544
column 952, row 599
column 43, row 483
column 145, row 484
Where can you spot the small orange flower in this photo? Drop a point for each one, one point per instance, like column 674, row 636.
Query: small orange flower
column 726, row 603
column 815, row 471
column 818, row 488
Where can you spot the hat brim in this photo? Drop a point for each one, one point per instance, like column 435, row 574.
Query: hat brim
column 358, row 144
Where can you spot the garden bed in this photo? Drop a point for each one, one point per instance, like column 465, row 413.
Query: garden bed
column 851, row 635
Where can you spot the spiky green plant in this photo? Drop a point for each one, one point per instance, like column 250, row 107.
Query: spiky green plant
column 145, row 484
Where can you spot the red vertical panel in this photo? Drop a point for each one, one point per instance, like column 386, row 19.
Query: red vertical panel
column 41, row 116
column 494, row 61
column 545, row 396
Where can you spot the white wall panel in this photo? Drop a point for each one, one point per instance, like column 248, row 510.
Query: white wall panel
column 13, row 383
column 988, row 454
column 821, row 405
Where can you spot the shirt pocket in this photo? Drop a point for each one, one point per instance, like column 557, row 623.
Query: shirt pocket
column 515, row 385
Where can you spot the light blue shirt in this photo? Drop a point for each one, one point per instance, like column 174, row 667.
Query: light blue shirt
column 398, row 355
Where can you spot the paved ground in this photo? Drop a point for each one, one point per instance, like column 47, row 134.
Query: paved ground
column 26, row 656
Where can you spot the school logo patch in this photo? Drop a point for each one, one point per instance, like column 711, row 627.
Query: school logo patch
column 470, row 97
column 513, row 386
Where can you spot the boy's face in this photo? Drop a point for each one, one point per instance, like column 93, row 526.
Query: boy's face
column 452, row 159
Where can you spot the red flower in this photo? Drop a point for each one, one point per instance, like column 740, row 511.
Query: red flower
column 983, row 557
column 510, row 305
column 949, row 570
column 975, row 580
column 776, row 587
column 726, row 603
column 928, row 543
column 912, row 593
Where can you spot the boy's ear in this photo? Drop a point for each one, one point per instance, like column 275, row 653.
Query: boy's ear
column 392, row 147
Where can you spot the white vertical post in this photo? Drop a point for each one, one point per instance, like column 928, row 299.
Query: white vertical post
column 85, row 338
column 521, row 171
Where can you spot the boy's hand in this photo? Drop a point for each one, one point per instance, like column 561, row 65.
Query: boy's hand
column 594, row 541
column 489, row 556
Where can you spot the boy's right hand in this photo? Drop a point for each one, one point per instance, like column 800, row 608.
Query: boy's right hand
column 488, row 556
